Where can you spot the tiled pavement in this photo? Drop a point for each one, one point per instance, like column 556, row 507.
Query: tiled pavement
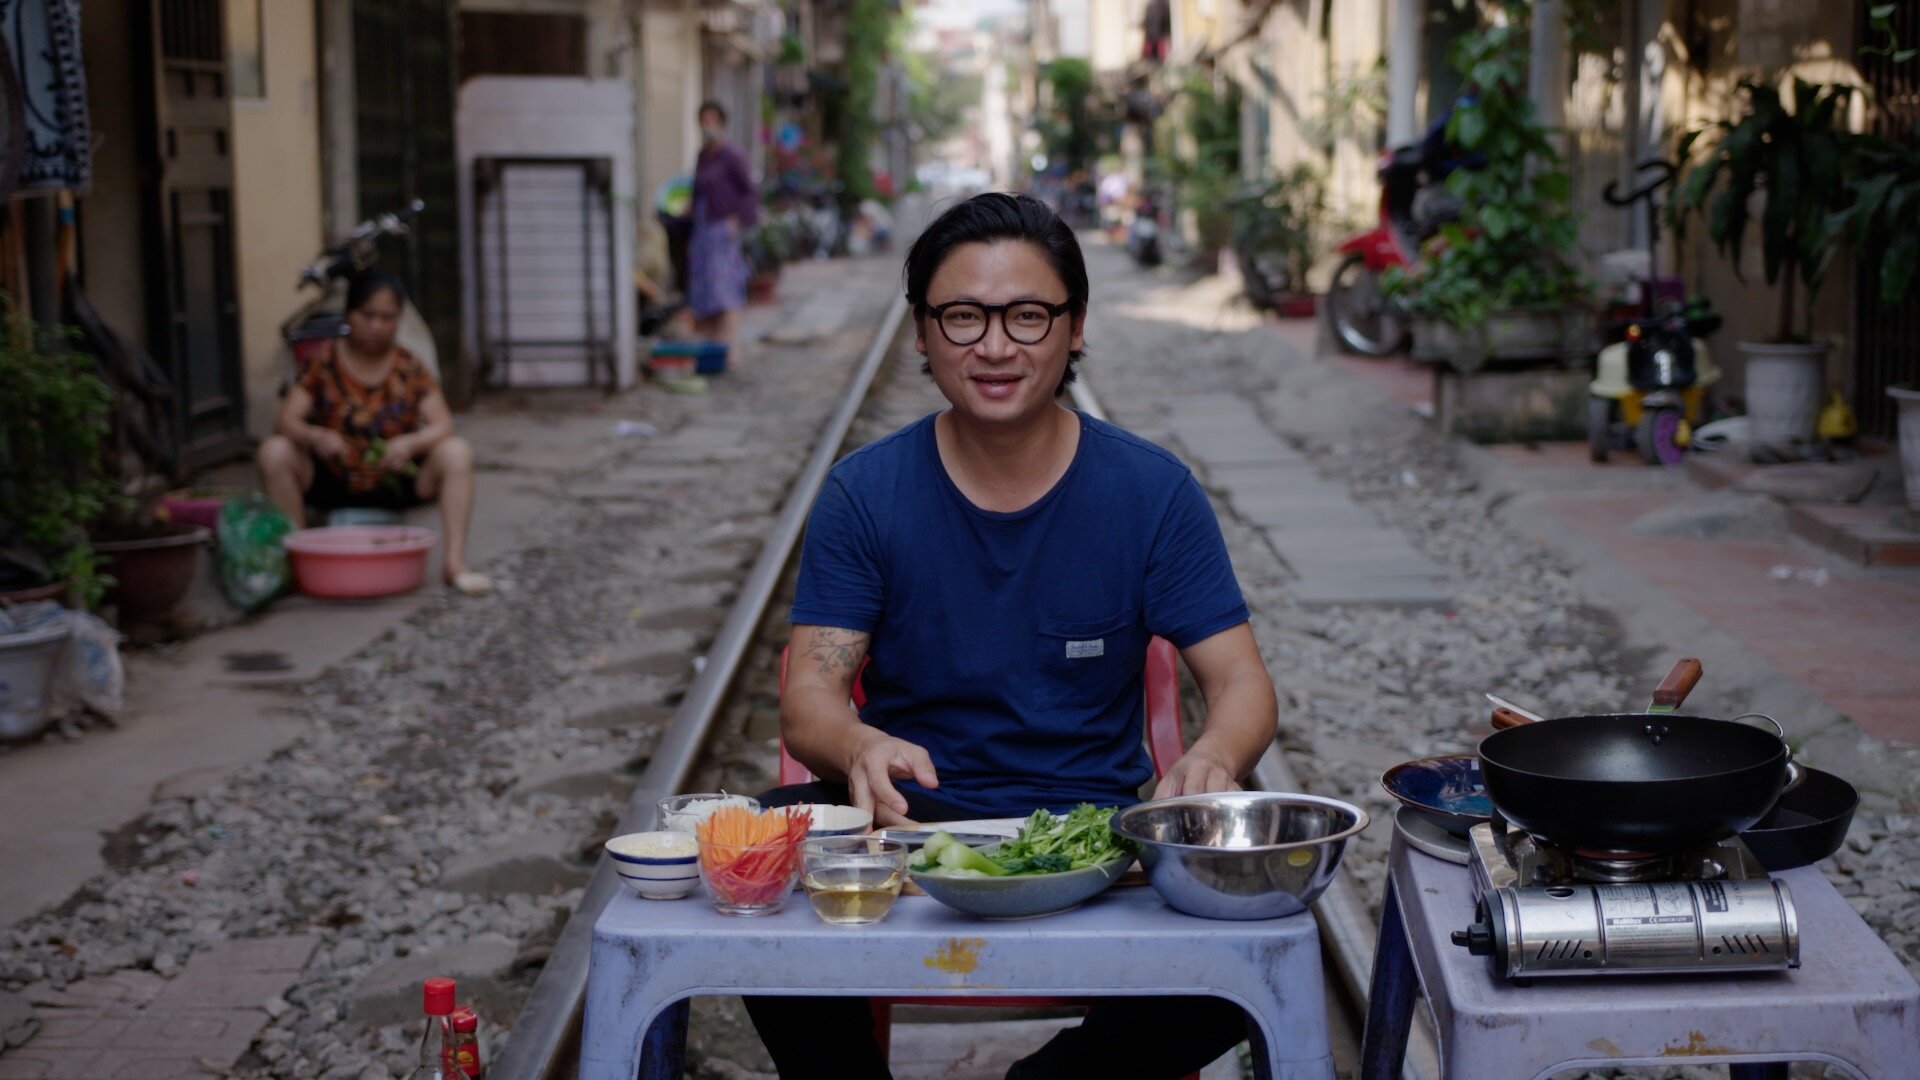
column 139, row 1024
column 1341, row 551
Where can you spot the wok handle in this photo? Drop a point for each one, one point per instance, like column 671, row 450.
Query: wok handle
column 1795, row 773
column 1678, row 684
column 1504, row 718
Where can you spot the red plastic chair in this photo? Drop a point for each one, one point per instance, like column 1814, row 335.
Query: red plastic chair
column 1164, row 745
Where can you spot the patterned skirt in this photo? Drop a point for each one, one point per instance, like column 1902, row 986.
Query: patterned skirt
column 717, row 268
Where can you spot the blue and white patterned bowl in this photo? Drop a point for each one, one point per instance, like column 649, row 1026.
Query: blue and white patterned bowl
column 657, row 865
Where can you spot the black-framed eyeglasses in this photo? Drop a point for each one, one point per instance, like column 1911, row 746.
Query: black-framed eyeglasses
column 964, row 322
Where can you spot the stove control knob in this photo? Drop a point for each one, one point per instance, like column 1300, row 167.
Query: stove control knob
column 1477, row 938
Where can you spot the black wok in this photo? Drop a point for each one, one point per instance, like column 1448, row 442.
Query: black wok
column 1639, row 782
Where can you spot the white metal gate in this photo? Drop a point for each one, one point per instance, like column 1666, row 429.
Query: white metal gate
column 547, row 280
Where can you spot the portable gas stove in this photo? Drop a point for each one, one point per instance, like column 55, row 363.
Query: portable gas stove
column 1543, row 910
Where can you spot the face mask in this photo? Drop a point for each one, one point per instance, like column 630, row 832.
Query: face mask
column 710, row 134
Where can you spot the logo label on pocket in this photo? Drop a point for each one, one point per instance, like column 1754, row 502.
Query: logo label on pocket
column 1081, row 650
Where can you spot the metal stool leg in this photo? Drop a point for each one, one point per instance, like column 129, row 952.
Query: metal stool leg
column 663, row 1053
column 1390, row 998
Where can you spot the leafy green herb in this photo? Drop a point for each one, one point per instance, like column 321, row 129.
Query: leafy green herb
column 1046, row 844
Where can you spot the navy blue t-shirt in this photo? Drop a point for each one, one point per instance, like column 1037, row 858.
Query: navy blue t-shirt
column 1011, row 645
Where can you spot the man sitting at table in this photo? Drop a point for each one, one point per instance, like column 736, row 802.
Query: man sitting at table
column 1004, row 563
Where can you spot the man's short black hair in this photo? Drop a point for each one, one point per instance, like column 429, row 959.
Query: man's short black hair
column 371, row 282
column 714, row 107
column 1001, row 215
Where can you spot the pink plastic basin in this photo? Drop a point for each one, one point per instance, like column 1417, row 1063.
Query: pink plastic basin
column 358, row 561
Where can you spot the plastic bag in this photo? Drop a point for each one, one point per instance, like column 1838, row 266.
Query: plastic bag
column 253, row 563
column 88, row 673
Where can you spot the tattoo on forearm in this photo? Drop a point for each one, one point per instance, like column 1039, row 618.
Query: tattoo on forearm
column 838, row 652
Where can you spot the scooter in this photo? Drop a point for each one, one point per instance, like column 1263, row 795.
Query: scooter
column 1649, row 388
column 1362, row 317
column 308, row 332
column 1143, row 234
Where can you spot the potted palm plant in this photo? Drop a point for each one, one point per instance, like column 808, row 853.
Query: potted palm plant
column 1882, row 225
column 1788, row 158
column 1499, row 280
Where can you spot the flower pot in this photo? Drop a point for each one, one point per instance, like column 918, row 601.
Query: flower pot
column 1909, row 399
column 1294, row 305
column 1526, row 335
column 1784, row 391
column 52, row 591
column 152, row 572
column 1439, row 341
column 760, row 288
column 26, row 673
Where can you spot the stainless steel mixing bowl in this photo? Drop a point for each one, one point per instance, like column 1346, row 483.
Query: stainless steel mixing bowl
column 1241, row 854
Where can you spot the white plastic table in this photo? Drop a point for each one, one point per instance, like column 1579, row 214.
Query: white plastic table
column 649, row 955
column 1850, row 1003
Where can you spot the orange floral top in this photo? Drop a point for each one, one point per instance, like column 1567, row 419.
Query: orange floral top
column 367, row 416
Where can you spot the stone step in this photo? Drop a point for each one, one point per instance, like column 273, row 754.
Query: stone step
column 1871, row 535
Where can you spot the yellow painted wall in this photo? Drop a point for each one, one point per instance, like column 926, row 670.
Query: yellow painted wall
column 277, row 197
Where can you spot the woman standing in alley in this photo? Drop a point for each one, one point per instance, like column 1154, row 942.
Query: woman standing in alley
column 726, row 203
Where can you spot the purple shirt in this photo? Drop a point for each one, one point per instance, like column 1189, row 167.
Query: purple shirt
column 723, row 185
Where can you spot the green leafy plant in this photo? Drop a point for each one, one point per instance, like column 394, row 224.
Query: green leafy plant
column 1881, row 222
column 869, row 27
column 1066, row 130
column 1274, row 226
column 1512, row 245
column 1206, row 179
column 52, row 482
column 1791, row 159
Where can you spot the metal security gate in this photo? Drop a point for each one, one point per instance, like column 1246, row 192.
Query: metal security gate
column 194, row 311
column 547, row 280
column 403, row 54
column 1888, row 352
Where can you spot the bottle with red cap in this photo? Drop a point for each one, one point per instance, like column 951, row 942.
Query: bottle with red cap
column 436, row 1044
column 466, row 1042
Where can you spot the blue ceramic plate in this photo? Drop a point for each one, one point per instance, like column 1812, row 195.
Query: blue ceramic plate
column 1446, row 790
column 1022, row 897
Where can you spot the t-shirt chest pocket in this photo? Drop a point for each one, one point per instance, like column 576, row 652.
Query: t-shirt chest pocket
column 1083, row 663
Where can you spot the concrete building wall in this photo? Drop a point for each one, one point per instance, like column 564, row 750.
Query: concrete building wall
column 671, row 87
column 278, row 198
column 1114, row 37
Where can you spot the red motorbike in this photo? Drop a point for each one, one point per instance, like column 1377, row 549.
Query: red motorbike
column 1362, row 317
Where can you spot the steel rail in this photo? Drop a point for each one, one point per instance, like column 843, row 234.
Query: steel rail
column 1344, row 927
column 550, row 1018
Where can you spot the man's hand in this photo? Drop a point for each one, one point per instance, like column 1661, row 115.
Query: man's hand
column 328, row 444
column 1195, row 774
column 879, row 761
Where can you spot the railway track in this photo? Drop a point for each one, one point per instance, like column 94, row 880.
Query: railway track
column 546, row 1031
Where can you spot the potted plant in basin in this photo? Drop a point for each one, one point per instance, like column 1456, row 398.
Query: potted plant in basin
column 1499, row 280
column 1790, row 162
column 53, row 486
column 1273, row 240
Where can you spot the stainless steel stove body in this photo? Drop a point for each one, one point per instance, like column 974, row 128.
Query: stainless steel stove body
column 1545, row 911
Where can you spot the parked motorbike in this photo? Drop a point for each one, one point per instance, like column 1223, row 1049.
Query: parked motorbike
column 307, row 333
column 1143, row 234
column 1362, row 317
column 1650, row 385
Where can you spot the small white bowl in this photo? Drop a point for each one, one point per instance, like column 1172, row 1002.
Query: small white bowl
column 657, row 865
column 831, row 820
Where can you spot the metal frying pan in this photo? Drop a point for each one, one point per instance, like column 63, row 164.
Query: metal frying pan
column 1449, row 791
column 1635, row 782
column 1808, row 824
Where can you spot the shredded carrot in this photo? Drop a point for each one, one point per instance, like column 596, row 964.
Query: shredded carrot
column 749, row 857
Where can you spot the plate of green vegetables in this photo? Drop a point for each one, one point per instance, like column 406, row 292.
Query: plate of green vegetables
column 1054, row 863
